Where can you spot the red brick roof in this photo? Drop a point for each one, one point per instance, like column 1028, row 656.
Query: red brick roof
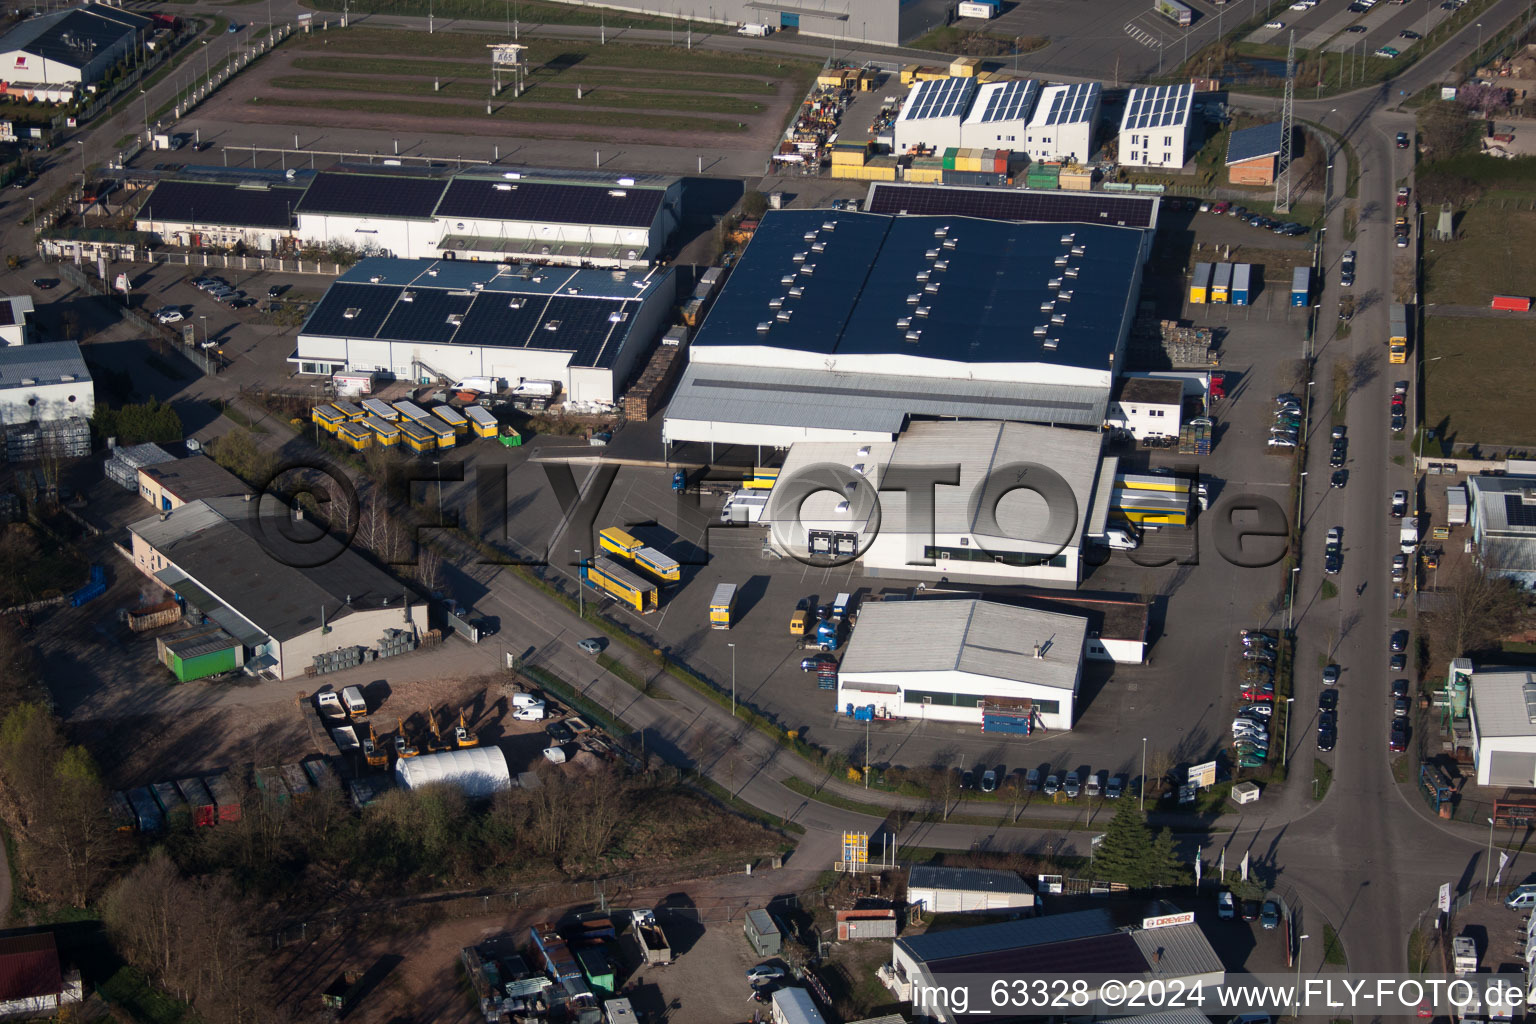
column 29, row 966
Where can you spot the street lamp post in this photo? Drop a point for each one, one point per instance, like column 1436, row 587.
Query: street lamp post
column 1285, row 748
column 1299, row 940
column 1141, row 796
column 581, row 601
column 204, row 319
column 733, row 679
column 1478, row 53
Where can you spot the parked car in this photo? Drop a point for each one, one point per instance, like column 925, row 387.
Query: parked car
column 1399, row 663
column 1399, row 504
column 1402, row 137
column 1114, row 788
column 764, row 972
column 1250, row 910
column 1399, row 568
column 1327, row 738
column 1032, row 781
column 1388, row 52
column 1072, row 787
column 1093, row 788
column 1400, row 707
column 1269, row 917
column 1328, row 700
column 591, row 645
column 1226, row 905
column 1336, row 456
column 1339, row 479
column 1331, row 675
column 1260, row 711
column 988, row 781
column 1052, row 784
column 1397, row 739
column 1274, row 24
column 967, row 779
column 1399, row 687
column 1398, row 640
column 170, row 315
column 1359, row 9
column 1333, row 563
column 816, row 662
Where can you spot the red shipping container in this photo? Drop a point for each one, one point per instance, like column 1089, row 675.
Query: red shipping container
column 224, row 796
column 1003, row 156
column 1512, row 303
column 204, row 811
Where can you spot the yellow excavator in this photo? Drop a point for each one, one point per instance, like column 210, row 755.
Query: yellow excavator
column 375, row 757
column 435, row 742
column 462, row 736
column 403, row 747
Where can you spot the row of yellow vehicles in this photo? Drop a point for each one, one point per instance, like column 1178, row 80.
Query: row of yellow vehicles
column 376, row 422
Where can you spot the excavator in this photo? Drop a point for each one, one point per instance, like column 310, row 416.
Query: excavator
column 462, row 736
column 403, row 747
column 435, row 742
column 375, row 757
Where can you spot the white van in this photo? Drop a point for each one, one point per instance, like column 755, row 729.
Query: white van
column 524, row 700
column 1522, row 898
column 529, row 712
column 352, row 699
column 1121, row 538
column 554, row 755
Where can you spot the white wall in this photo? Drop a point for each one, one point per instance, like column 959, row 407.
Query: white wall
column 47, row 402
column 404, row 238
column 937, row 900
column 1060, row 141
column 935, row 133
column 771, row 437
column 179, row 232
column 994, row 135
column 901, row 365
column 1486, row 746
column 951, row 682
column 890, row 553
column 1153, row 147
column 350, row 630
column 1121, row 652
column 23, row 67
column 1144, row 419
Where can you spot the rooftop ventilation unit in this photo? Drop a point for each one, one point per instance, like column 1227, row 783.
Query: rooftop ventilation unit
column 407, row 296
column 1058, row 318
column 858, row 467
column 941, row 265
column 941, row 232
column 787, row 279
column 796, row 292
column 479, row 286
column 799, row 257
column 921, row 311
column 809, row 236
column 573, row 291
column 1053, row 284
column 352, row 313
column 617, row 193
column 931, row 254
column 818, row 247
column 374, row 279
column 915, row 335
column 922, row 275
column 903, row 323
column 950, row 243
column 460, row 293
column 842, row 508
column 1042, row 330
column 829, row 225
column 511, row 175
column 552, row 325
column 27, row 382
column 1078, row 250
column 932, row 287
column 617, row 318
column 863, row 451
column 502, row 186
column 784, row 315
column 1051, row 344
column 431, row 271
column 1047, row 306
column 762, row 327
column 777, row 303
column 1065, row 296
column 516, row 302
column 1068, row 238
column 914, row 298
column 1061, row 261
column 1071, row 272
column 807, row 269
column 455, row 318
column 626, row 181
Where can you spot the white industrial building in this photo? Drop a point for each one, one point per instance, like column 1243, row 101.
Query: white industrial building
column 44, row 383
column 851, row 22
column 1503, row 514
column 941, row 890
column 1158, row 949
column 15, row 320
column 284, row 593
column 843, row 496
column 257, row 213
column 1501, row 706
column 478, row 771
column 932, row 114
column 1065, row 122
column 76, row 46
column 967, row 661
column 1147, row 407
column 999, row 115
column 423, row 319
column 843, row 326
column 1155, row 128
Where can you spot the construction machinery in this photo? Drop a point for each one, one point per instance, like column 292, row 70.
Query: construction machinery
column 403, row 746
column 375, row 757
column 435, row 742
column 462, row 736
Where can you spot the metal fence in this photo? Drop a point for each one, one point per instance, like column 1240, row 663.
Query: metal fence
column 254, row 264
column 200, row 360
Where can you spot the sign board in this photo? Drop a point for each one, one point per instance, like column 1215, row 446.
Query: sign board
column 506, row 54
column 7, row 131
column 1445, row 898
column 121, row 284
column 856, row 850
column 1167, row 920
column 1447, row 92
column 306, row 16
column 70, row 122
column 189, row 334
column 1202, row 774
column 1188, row 793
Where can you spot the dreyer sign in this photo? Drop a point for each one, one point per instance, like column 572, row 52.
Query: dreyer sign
column 1024, row 511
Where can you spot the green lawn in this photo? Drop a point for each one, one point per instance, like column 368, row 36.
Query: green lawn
column 1469, row 395
column 1492, row 254
column 699, row 102
column 497, row 10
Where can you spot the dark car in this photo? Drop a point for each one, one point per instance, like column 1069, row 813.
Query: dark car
column 1399, row 422
column 24, row 181
column 276, row 290
column 816, row 662
column 1399, row 640
column 1328, row 700
column 1327, row 738
column 1397, row 739
column 1251, row 910
column 204, row 146
column 1409, row 33
column 1399, row 663
column 1269, row 917
column 967, row 779
column 1399, row 687
column 1400, row 707
column 1333, row 563
column 1357, row 29
column 1402, row 140
column 1295, row 229
column 1336, row 456
column 43, row 284
column 1339, row 479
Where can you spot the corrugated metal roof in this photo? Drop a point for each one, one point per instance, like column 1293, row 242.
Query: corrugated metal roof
column 29, row 967
column 927, row 876
column 1178, row 951
column 1169, row 1017
column 47, row 363
column 1157, row 106
column 1067, row 104
column 991, row 938
column 769, row 396
column 1252, row 143
column 977, row 637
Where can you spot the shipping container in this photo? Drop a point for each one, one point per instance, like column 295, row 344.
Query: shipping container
column 383, row 410
column 177, row 813
column 1242, row 274
column 1200, row 284
column 984, row 9
column 763, row 933
column 481, row 420
column 949, row 157
column 357, row 436
column 321, row 775
column 200, row 802
column 386, row 433
column 146, row 810
column 417, row 439
column 224, row 797
column 1512, row 303
column 1301, row 286
column 298, row 782
column 120, row 810
column 1221, row 284
column 1076, row 181
column 924, row 175
column 974, row 178
column 722, row 606
column 451, row 416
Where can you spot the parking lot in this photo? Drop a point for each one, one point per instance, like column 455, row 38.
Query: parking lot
column 1329, row 25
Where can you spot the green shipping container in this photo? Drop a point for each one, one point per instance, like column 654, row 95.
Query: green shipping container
column 949, row 158
column 199, row 653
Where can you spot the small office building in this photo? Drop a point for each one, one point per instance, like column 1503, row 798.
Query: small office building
column 1501, row 707
column 176, row 482
column 1503, row 514
column 1155, row 128
column 1065, row 123
column 941, row 890
column 1147, row 407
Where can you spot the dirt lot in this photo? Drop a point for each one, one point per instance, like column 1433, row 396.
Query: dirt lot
column 629, row 93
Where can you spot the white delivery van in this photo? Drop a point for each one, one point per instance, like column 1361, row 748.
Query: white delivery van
column 754, row 30
column 537, row 388
column 1122, row 538
column 529, row 713
column 554, row 755
column 352, row 699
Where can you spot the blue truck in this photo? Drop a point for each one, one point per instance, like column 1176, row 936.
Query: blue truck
column 1301, row 286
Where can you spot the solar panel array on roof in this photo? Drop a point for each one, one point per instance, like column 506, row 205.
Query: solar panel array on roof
column 1005, row 101
column 370, row 195
column 1252, row 143
column 1158, row 106
column 550, row 202
column 1013, row 204
column 209, row 202
column 7, row 314
column 1066, row 104
column 1517, row 512
column 941, row 97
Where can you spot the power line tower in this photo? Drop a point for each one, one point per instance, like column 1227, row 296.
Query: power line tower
column 1287, row 126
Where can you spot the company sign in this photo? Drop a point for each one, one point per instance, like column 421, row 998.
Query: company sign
column 1167, row 920
column 1202, row 774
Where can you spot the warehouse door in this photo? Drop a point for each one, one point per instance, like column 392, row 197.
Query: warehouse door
column 1512, row 768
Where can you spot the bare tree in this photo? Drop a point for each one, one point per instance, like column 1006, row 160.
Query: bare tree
column 1475, row 610
column 1159, row 764
column 429, row 567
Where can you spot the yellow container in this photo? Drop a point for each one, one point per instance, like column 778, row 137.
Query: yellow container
column 356, row 436
column 926, row 175
column 1076, row 182
column 909, row 74
column 964, row 67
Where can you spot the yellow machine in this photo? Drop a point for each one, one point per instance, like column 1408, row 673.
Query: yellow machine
column 462, row 736
column 435, row 742
column 375, row 757
column 403, row 746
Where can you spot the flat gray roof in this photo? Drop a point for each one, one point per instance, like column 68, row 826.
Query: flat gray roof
column 195, row 477
column 978, row 637
column 1504, row 701
column 52, row 362
column 990, row 938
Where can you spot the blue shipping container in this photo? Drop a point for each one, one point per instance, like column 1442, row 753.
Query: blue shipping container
column 1017, row 725
column 1242, row 275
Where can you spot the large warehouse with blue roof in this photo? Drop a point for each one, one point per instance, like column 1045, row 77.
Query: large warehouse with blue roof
column 844, row 326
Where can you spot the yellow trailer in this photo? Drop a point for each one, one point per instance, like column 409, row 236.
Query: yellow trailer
column 387, row 434
column 451, row 416
column 350, row 412
column 328, row 416
column 417, row 439
column 481, row 421
column 356, row 436
column 382, row 409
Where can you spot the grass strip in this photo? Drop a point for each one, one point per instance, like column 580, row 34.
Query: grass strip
column 731, row 85
column 511, row 112
column 499, row 10
column 564, row 94
column 1322, row 778
column 1333, row 949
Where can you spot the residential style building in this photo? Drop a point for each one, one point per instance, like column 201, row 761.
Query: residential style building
column 1005, row 669
column 1155, row 128
column 1147, row 407
column 33, row 981
column 272, row 581
column 170, row 485
column 1253, row 155
column 1065, row 123
column 1503, row 513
